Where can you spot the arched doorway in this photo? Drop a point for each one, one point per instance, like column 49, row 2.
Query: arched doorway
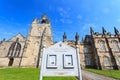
column 11, row 60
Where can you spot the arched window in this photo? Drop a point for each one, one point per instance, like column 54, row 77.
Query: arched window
column 106, row 61
column 87, row 60
column 102, row 45
column 14, row 50
column 85, row 50
column 115, row 45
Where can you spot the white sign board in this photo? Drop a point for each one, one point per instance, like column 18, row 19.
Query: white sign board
column 60, row 60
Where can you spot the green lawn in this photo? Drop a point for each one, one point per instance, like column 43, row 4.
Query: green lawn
column 110, row 73
column 26, row 74
column 59, row 78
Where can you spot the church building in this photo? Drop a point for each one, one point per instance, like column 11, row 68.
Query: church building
column 97, row 50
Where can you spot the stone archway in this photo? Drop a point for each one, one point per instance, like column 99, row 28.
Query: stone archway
column 11, row 60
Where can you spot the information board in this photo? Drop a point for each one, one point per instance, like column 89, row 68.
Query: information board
column 60, row 60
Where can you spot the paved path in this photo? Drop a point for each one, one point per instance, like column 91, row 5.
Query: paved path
column 92, row 76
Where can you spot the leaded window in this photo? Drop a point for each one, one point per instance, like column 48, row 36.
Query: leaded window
column 87, row 60
column 14, row 50
column 115, row 45
column 102, row 45
column 85, row 50
column 106, row 61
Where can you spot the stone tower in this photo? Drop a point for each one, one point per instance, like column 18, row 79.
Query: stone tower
column 39, row 35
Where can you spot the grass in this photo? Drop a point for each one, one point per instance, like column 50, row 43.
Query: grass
column 109, row 73
column 59, row 78
column 26, row 74
column 19, row 74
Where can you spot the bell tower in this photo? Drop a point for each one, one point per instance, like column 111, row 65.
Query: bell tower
column 40, row 34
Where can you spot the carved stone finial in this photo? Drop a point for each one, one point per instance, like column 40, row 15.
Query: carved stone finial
column 91, row 31
column 116, row 31
column 77, row 38
column 64, row 37
column 104, row 31
column 3, row 39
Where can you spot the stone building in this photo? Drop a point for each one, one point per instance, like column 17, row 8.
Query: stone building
column 102, row 49
column 97, row 50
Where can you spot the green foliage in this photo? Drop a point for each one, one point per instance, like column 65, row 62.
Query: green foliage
column 26, row 74
column 109, row 73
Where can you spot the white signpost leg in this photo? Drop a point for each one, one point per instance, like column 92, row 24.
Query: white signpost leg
column 42, row 63
column 78, row 63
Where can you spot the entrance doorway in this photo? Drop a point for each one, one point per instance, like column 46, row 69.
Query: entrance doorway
column 11, row 60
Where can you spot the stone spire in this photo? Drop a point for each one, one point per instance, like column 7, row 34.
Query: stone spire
column 104, row 31
column 91, row 31
column 3, row 39
column 116, row 31
column 64, row 37
column 76, row 39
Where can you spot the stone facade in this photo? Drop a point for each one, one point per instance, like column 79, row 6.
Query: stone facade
column 11, row 51
column 101, row 50
column 97, row 50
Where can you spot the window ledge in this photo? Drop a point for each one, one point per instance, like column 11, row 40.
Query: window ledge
column 103, row 51
column 116, row 51
column 51, row 67
column 68, row 67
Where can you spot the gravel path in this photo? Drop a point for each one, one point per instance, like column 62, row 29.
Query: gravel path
column 92, row 76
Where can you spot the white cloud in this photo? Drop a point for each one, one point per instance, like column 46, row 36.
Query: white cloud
column 65, row 15
column 67, row 21
column 87, row 26
column 64, row 12
column 62, row 20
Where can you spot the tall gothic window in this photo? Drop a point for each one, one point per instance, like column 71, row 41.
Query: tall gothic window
column 14, row 50
column 102, row 45
column 87, row 60
column 106, row 61
column 115, row 45
column 85, row 50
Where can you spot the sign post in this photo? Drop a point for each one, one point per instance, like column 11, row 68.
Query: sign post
column 78, row 60
column 42, row 63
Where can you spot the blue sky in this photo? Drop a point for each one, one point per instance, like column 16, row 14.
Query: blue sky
column 68, row 16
